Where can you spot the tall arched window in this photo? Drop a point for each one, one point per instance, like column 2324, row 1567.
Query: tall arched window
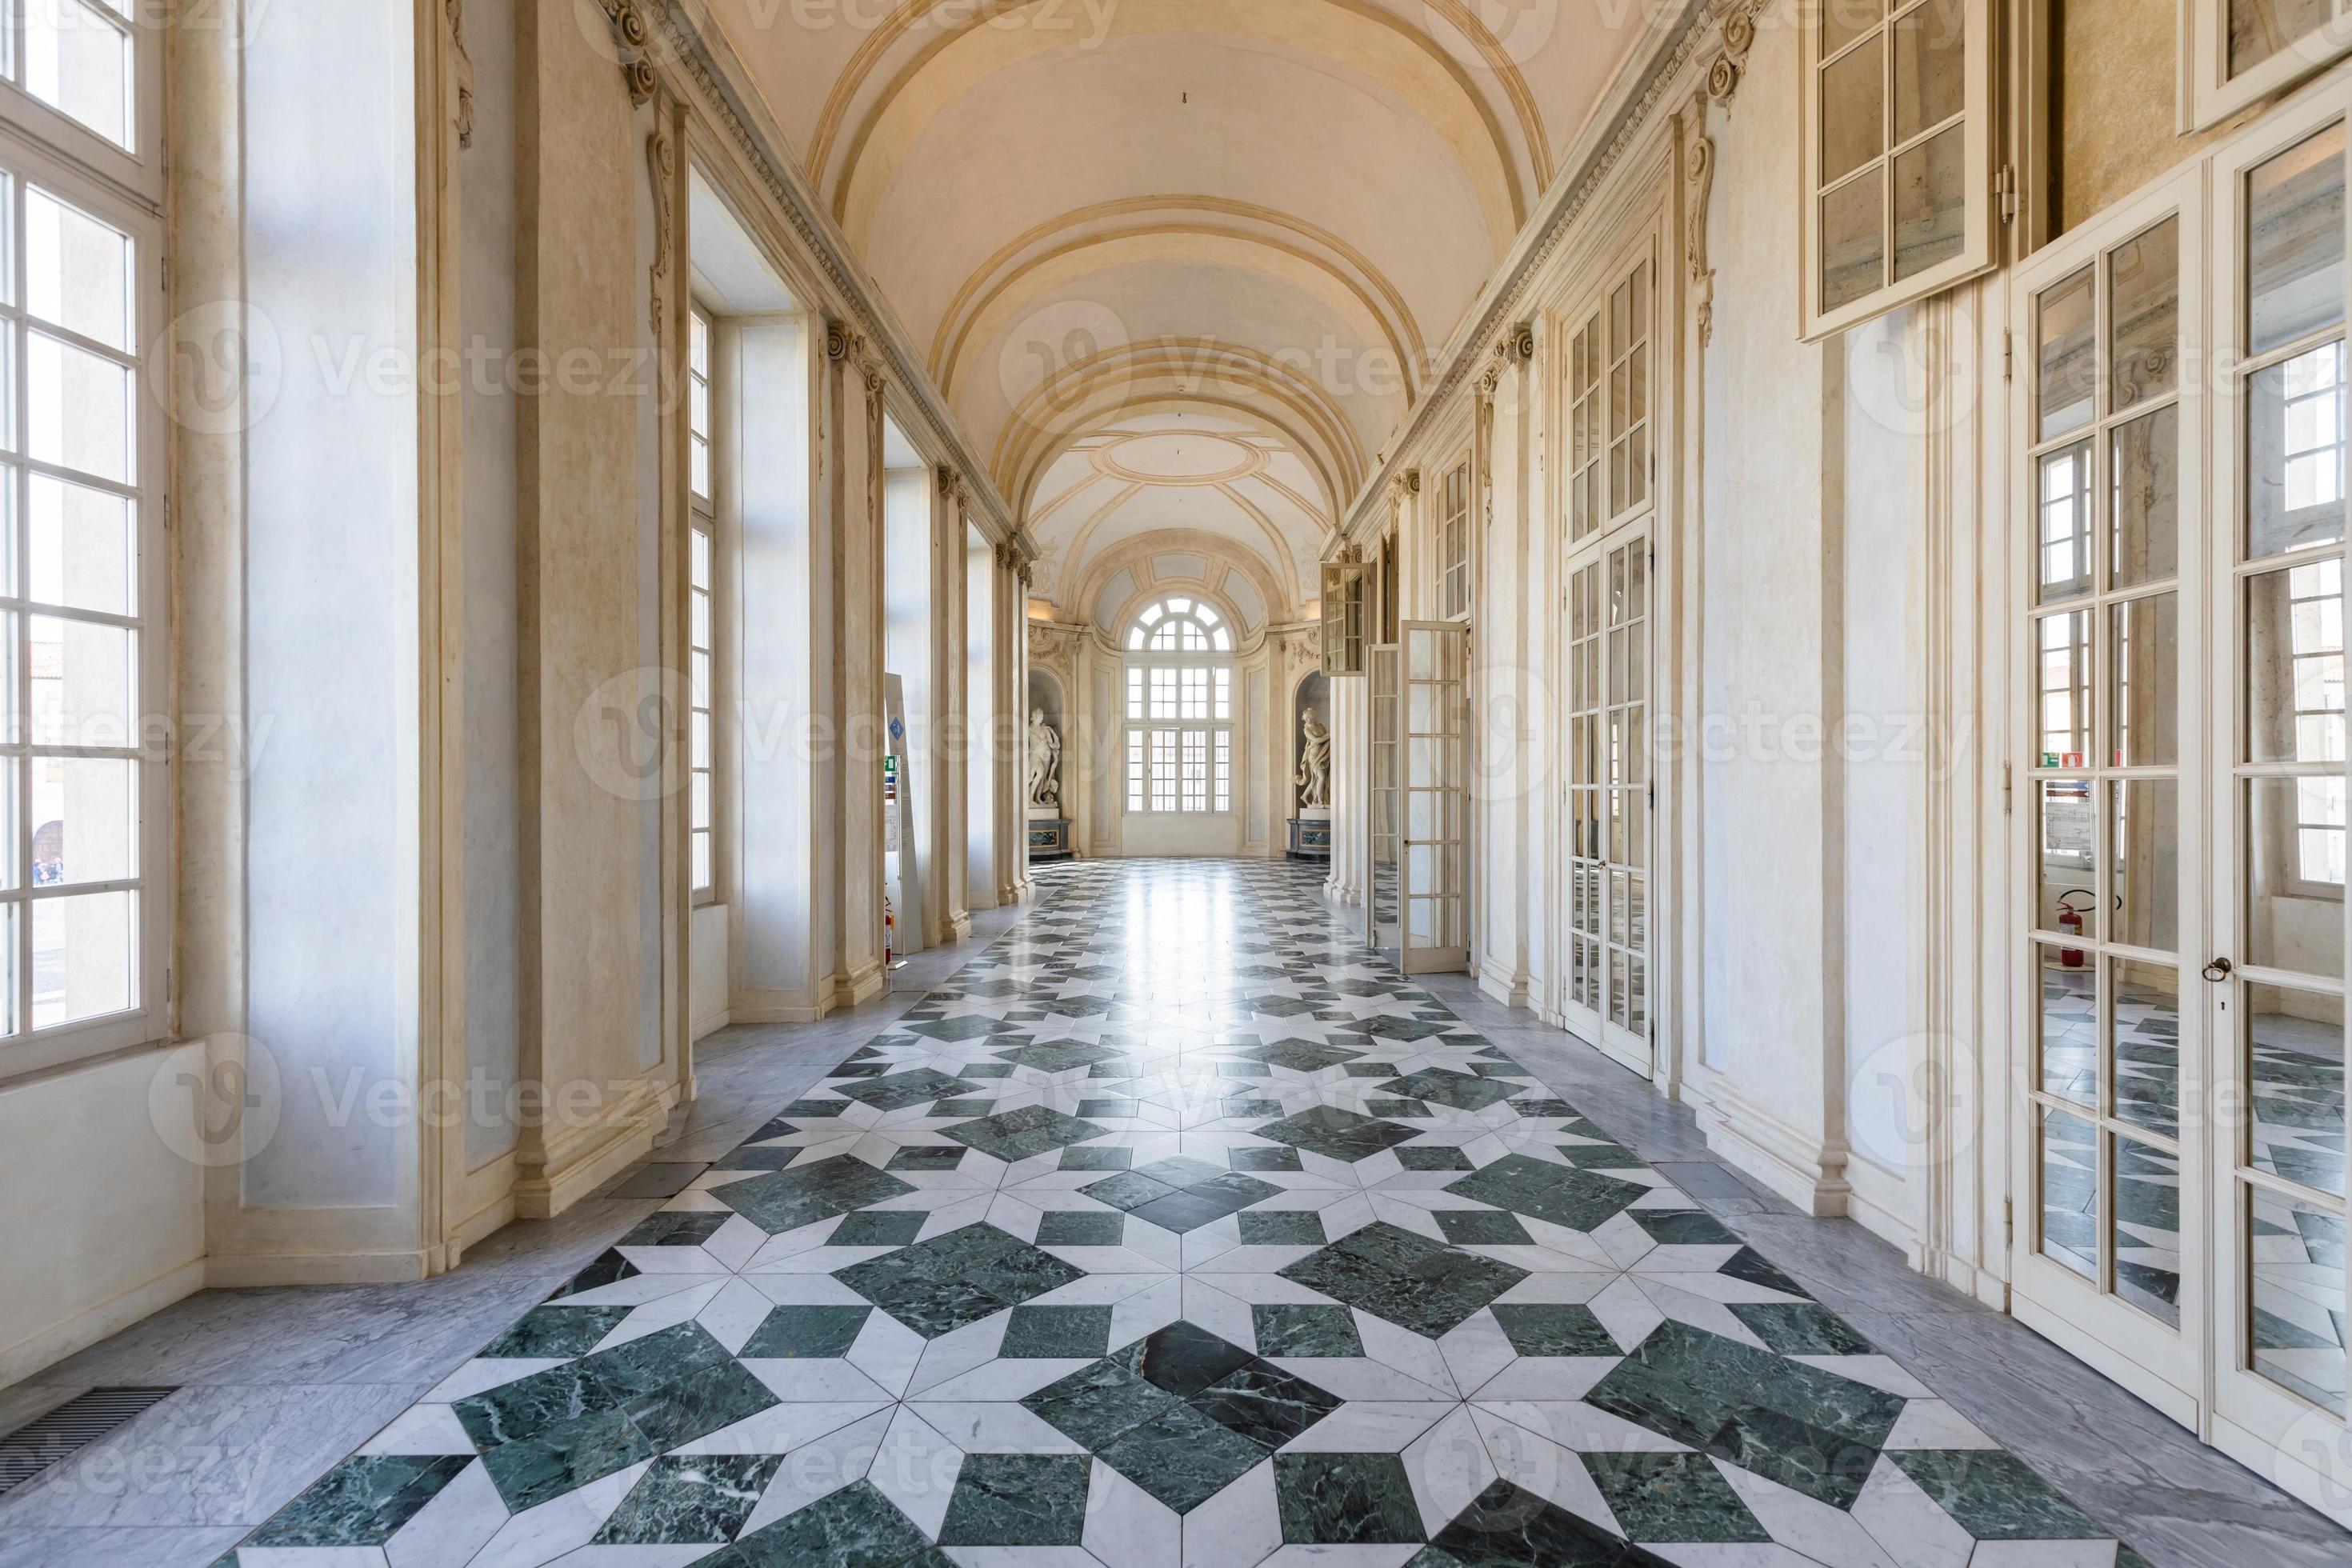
column 1179, row 709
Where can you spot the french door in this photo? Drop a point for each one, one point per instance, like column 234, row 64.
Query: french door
column 1383, row 911
column 2178, row 1157
column 1434, row 787
column 1608, row 516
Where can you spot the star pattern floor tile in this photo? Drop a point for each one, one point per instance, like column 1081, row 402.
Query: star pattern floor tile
column 1160, row 1238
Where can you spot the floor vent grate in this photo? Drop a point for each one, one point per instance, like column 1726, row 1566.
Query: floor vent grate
column 69, row 1428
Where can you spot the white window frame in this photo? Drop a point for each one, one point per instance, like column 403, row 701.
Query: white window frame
column 148, row 1016
column 2208, row 94
column 1178, row 709
column 702, row 606
column 138, row 169
column 1976, row 252
column 1453, row 542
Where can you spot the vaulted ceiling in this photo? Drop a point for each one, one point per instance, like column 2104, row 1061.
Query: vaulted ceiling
column 1179, row 265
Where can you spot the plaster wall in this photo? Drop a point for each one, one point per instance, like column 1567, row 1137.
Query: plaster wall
column 104, row 1222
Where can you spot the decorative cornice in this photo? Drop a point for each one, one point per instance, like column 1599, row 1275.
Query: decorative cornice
column 1541, row 240
column 690, row 52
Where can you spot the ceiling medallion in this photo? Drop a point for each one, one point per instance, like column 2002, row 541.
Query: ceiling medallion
column 1181, row 458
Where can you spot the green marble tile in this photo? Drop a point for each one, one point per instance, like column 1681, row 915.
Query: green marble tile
column 1801, row 1328
column 1335, row 1133
column 1252, row 1159
column 1462, row 1091
column 1345, row 1499
column 1181, row 1456
column 856, row 1527
column 1306, row 1329
column 1580, row 1200
column 878, row 1228
column 1554, row 1330
column 1995, row 1496
column 1483, row 1227
column 673, row 1227
column 1181, row 1358
column 786, row 1200
column 1017, row 1500
column 684, row 1499
column 1097, row 1405
column 1033, row 1332
column 1827, row 1466
column 895, row 1092
column 1407, row 1280
column 1682, row 1383
column 1264, row 1404
column 1097, row 1157
column 1507, row 1527
column 698, row 1404
column 565, row 1456
column 1072, row 1228
column 1281, row 1228
column 361, row 1502
column 971, row 1105
column 1126, row 1190
column 556, row 1332
column 1019, row 1134
column 1683, row 1227
column 802, row 1332
column 1672, row 1498
column 1435, row 1157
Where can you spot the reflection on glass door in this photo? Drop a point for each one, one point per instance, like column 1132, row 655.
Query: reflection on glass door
column 2283, row 823
column 2104, row 1155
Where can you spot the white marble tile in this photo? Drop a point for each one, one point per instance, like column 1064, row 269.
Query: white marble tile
column 541, row 1534
column 427, row 1428
column 819, row 1466
column 915, row 1469
column 461, row 1519
column 1128, row 1525
column 1448, row 1466
column 1238, row 1525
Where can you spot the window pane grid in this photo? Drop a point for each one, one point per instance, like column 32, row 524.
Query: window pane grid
column 1179, row 707
column 71, row 629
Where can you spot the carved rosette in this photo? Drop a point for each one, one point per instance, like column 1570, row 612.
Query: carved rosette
column 632, row 37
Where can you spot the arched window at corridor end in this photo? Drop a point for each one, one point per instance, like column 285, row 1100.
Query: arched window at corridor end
column 1179, row 709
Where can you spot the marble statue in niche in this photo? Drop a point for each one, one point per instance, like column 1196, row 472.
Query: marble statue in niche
column 1314, row 775
column 1044, row 762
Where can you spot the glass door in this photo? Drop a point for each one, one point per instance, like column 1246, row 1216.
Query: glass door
column 1607, row 514
column 1436, row 798
column 1609, row 800
column 1383, row 913
column 2279, row 818
column 2107, row 800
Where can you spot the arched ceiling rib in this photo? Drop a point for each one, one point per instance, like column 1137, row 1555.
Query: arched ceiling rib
column 1181, row 264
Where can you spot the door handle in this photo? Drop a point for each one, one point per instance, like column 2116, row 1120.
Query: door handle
column 2218, row 971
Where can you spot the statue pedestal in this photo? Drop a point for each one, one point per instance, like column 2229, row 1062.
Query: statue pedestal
column 1049, row 835
column 1310, row 836
column 1314, row 813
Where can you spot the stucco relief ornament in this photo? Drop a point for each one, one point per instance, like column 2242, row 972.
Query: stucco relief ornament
column 1314, row 775
column 1737, row 26
column 1044, row 762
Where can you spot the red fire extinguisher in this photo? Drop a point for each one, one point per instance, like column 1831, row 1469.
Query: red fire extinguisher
column 2069, row 923
column 891, row 933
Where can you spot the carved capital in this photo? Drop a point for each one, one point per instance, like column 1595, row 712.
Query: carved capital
column 946, row 478
column 1735, row 22
column 840, row 343
column 633, row 36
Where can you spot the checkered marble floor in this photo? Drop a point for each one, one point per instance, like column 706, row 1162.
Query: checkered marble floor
column 1178, row 1228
